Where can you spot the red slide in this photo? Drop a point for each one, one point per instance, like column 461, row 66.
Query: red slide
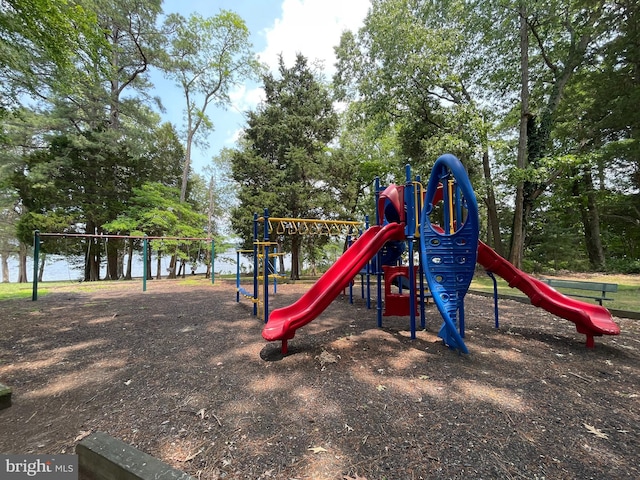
column 284, row 322
column 592, row 320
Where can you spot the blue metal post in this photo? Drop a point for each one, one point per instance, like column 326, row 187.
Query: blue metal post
column 266, row 265
column 255, row 264
column 379, row 221
column 237, row 275
column 351, row 282
column 410, row 234
column 366, row 225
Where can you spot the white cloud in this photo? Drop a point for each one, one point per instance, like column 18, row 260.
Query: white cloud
column 244, row 99
column 310, row 27
column 313, row 28
column 233, row 136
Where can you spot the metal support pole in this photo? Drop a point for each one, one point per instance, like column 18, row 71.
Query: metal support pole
column 379, row 221
column 495, row 297
column 369, row 265
column 266, row 265
column 237, row 276
column 351, row 282
column 255, row 263
column 410, row 234
column 36, row 257
column 418, row 212
column 145, row 260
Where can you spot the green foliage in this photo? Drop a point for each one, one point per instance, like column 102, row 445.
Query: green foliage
column 156, row 210
column 206, row 58
column 39, row 40
column 411, row 67
column 445, row 76
column 284, row 161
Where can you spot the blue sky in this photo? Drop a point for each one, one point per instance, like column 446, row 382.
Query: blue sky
column 311, row 27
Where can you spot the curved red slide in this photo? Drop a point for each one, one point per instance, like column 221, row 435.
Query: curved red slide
column 284, row 322
column 592, row 320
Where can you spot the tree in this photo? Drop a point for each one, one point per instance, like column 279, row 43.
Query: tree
column 220, row 195
column 414, row 69
column 206, row 57
column 156, row 210
column 563, row 36
column 8, row 239
column 132, row 44
column 282, row 163
column 79, row 179
column 38, row 41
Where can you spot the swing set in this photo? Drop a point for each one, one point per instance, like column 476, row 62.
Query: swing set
column 146, row 249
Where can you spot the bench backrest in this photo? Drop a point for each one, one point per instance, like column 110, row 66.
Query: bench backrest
column 579, row 285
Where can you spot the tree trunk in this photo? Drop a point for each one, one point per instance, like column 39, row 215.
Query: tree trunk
column 207, row 259
column 149, row 276
column 43, row 258
column 493, row 227
column 517, row 234
column 281, row 269
column 112, row 258
column 129, row 260
column 159, row 266
column 93, row 261
column 187, row 163
column 4, row 259
column 121, row 251
column 91, row 255
column 22, row 264
column 173, row 265
column 295, row 257
column 590, row 216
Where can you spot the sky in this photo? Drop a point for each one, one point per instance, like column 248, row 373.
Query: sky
column 311, row 27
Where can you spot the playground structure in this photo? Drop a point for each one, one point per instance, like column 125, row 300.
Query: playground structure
column 264, row 253
column 445, row 221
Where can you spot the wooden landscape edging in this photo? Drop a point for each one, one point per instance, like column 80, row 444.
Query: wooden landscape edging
column 102, row 457
column 5, row 396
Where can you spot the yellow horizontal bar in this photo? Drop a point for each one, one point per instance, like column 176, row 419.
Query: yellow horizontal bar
column 311, row 220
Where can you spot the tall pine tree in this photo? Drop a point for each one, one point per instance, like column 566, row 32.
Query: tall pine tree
column 282, row 162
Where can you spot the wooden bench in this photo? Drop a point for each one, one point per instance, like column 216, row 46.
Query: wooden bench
column 599, row 289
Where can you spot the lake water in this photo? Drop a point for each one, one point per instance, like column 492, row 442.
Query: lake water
column 58, row 268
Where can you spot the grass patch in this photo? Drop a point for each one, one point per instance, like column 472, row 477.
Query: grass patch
column 10, row 291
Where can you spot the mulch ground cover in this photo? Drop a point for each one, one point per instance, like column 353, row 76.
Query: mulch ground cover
column 182, row 373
